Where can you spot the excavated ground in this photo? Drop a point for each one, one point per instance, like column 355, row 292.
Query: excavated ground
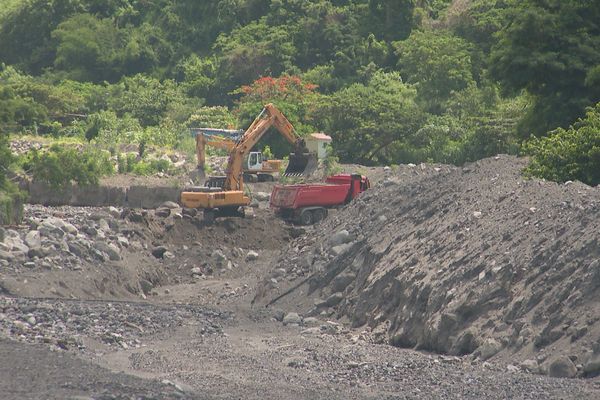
column 476, row 266
column 471, row 261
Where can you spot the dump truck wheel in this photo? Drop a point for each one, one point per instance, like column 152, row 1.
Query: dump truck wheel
column 319, row 214
column 307, row 218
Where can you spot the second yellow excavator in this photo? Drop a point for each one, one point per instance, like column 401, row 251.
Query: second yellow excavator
column 225, row 195
column 257, row 167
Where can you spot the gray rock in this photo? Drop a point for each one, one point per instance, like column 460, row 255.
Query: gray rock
column 218, row 255
column 262, row 196
column 69, row 228
column 39, row 252
column 146, row 286
column 530, row 366
column 33, row 239
column 16, row 244
column 168, row 254
column 123, row 241
column 488, row 349
column 97, row 216
column 311, row 322
column 562, row 367
column 292, row 318
column 341, row 249
column 110, row 250
column 592, row 366
column 77, row 248
column 339, row 238
column 5, row 255
column 251, row 256
column 278, row 315
column 170, row 204
column 162, row 212
column 90, row 230
column 103, row 225
column 159, row 251
column 29, row 264
column 196, row 271
column 466, row 343
column 334, row 299
column 279, row 272
column 342, row 281
column 48, row 228
column 114, row 212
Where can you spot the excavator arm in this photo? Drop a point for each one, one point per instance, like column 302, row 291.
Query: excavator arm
column 203, row 140
column 231, row 196
column 269, row 116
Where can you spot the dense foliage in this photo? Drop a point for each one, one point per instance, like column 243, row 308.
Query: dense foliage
column 392, row 81
column 569, row 154
column 63, row 165
column 11, row 198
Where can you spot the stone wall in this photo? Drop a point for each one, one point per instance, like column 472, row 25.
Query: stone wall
column 101, row 196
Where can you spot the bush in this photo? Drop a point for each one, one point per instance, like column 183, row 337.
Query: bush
column 151, row 167
column 11, row 198
column 571, row 154
column 60, row 166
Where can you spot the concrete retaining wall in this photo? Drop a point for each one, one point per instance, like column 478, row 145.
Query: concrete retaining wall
column 102, row 196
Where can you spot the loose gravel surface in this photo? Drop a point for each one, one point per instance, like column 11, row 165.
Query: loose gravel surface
column 155, row 304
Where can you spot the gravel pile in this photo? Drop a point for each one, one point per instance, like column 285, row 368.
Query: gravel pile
column 65, row 324
column 465, row 261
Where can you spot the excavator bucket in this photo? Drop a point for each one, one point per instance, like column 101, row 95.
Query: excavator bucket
column 301, row 164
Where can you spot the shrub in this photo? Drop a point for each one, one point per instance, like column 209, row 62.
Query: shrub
column 151, row 167
column 568, row 154
column 60, row 166
column 11, row 198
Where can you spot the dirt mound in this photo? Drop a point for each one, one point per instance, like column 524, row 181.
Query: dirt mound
column 473, row 260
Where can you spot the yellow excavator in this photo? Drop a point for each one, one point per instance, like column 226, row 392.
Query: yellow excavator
column 224, row 196
column 257, row 167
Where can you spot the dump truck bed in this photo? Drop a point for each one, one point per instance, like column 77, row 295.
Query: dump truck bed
column 309, row 195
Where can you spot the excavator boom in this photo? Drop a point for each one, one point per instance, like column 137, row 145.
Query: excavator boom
column 231, row 196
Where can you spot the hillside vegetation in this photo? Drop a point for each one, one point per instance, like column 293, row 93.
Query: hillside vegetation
column 391, row 81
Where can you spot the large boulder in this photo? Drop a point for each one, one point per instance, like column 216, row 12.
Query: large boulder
column 562, row 367
column 340, row 237
column 110, row 250
column 33, row 239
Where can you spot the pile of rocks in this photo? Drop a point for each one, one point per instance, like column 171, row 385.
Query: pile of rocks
column 472, row 260
column 78, row 236
column 65, row 324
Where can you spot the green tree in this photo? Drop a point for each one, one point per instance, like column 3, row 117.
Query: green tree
column 438, row 63
column 391, row 19
column 5, row 159
column 550, row 49
column 25, row 32
column 86, row 48
column 60, row 166
column 149, row 100
column 569, row 154
column 370, row 123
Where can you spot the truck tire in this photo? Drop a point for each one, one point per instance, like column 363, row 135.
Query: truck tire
column 319, row 214
column 265, row 178
column 307, row 217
